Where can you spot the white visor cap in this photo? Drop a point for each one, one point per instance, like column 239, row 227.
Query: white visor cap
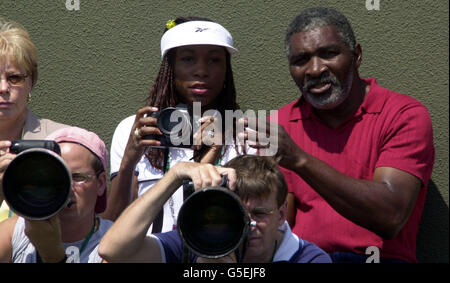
column 197, row 33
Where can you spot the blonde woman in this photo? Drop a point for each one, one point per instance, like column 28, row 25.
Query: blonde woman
column 18, row 76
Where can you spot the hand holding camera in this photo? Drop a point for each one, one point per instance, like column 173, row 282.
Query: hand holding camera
column 209, row 132
column 175, row 127
column 5, row 159
column 204, row 175
column 212, row 221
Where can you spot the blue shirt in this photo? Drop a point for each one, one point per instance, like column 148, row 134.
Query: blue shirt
column 291, row 249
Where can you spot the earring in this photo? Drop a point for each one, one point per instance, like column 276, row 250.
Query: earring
column 29, row 97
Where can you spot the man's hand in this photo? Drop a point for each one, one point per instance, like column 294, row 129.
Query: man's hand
column 5, row 160
column 208, row 134
column 144, row 125
column 45, row 235
column 271, row 139
column 203, row 174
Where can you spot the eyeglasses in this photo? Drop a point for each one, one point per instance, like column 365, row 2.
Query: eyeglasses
column 260, row 213
column 16, row 79
column 79, row 178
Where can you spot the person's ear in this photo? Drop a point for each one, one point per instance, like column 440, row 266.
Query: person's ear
column 283, row 213
column 102, row 183
column 357, row 53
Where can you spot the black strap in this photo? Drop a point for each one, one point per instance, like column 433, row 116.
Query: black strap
column 38, row 258
column 188, row 189
column 158, row 222
column 186, row 255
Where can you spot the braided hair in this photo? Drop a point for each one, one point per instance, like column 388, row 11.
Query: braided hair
column 163, row 94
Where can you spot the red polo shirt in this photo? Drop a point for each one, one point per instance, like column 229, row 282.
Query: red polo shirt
column 389, row 130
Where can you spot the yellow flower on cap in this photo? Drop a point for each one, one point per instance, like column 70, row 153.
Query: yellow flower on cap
column 170, row 24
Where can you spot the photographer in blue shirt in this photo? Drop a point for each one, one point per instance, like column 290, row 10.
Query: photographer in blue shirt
column 262, row 191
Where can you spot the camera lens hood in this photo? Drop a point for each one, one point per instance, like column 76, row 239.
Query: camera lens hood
column 37, row 184
column 213, row 222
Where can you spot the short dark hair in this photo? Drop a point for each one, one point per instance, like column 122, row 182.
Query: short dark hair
column 258, row 176
column 321, row 16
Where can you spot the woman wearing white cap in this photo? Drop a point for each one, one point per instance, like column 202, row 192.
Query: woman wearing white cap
column 196, row 67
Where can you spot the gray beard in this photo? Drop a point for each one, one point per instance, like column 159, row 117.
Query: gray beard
column 339, row 93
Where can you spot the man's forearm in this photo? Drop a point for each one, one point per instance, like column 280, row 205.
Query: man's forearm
column 127, row 235
column 377, row 205
column 52, row 254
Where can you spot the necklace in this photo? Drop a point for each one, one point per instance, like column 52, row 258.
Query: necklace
column 171, row 201
column 274, row 250
column 88, row 237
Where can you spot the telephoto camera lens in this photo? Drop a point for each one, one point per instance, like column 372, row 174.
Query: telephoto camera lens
column 37, row 184
column 212, row 222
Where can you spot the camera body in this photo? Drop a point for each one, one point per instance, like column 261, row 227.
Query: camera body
column 37, row 182
column 213, row 222
column 18, row 146
column 176, row 125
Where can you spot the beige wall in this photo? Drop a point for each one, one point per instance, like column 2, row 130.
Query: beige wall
column 97, row 64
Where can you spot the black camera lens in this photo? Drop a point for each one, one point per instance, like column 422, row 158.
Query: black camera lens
column 212, row 222
column 37, row 184
column 173, row 121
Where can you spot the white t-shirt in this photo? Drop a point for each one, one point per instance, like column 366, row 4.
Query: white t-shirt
column 23, row 250
column 148, row 175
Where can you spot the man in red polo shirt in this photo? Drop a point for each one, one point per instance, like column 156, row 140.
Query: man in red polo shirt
column 357, row 157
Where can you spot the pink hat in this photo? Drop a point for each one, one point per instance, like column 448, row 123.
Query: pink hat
column 92, row 142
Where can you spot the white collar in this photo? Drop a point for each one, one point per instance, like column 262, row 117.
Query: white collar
column 289, row 245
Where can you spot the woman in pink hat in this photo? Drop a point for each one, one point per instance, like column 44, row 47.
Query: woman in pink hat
column 195, row 71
